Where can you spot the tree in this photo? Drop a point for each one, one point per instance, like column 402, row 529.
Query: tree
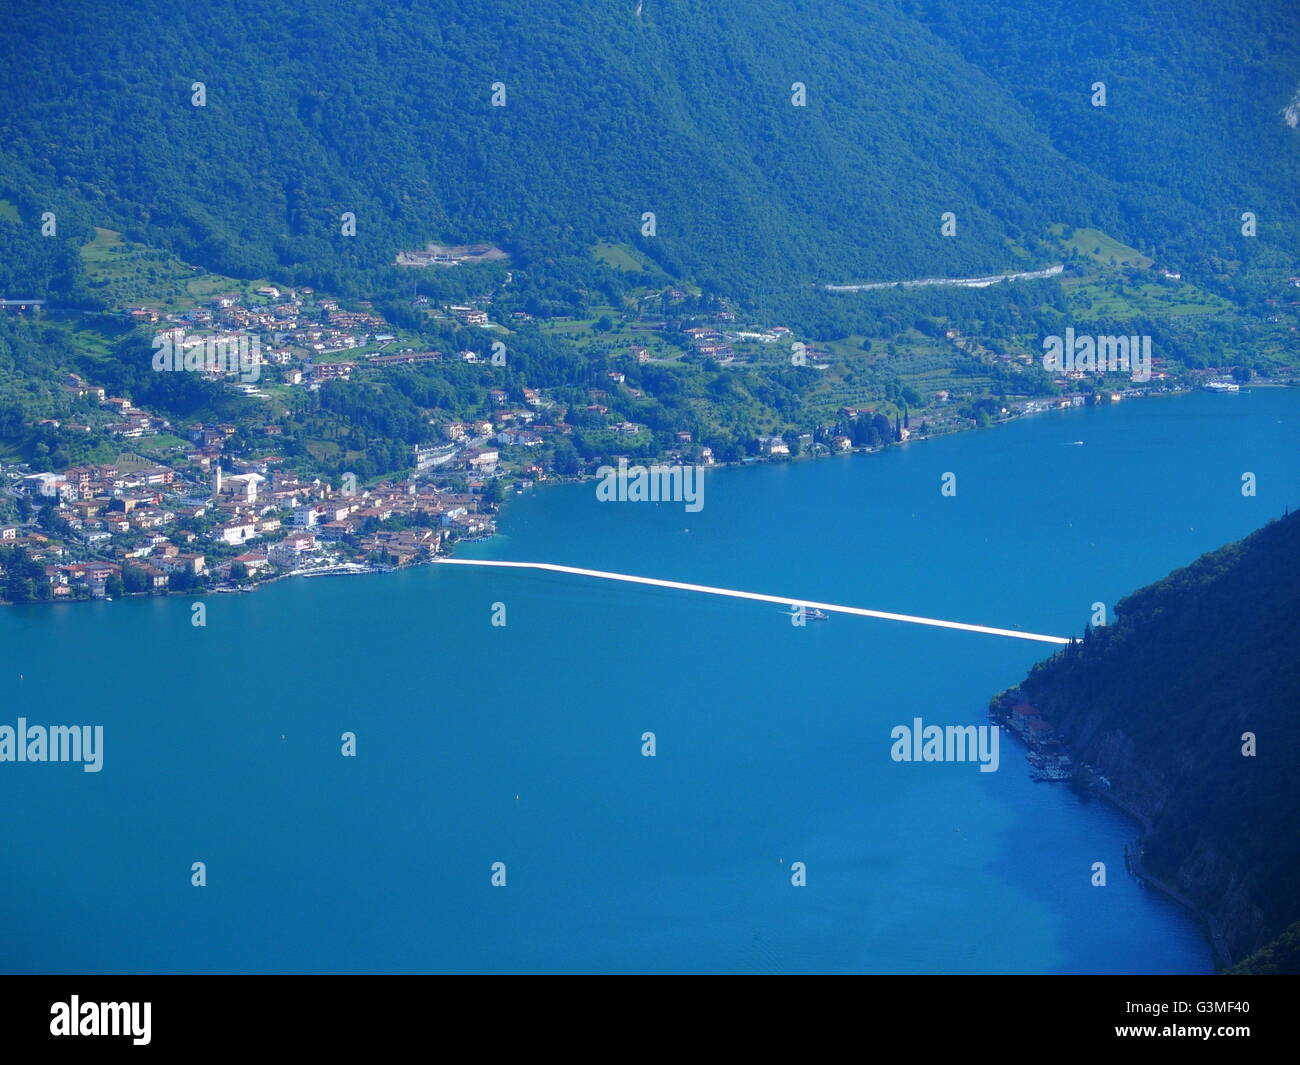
column 52, row 522
column 135, row 579
column 565, row 458
column 183, row 581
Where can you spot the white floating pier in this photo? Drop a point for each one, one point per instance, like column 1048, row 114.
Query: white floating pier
column 783, row 600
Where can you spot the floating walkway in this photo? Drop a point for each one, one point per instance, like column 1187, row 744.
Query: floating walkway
column 782, row 600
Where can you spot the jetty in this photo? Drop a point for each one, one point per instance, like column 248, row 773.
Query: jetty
column 784, row 600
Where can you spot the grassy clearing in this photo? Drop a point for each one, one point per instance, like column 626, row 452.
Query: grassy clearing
column 619, row 256
column 126, row 274
column 1095, row 298
column 149, row 449
column 1098, row 246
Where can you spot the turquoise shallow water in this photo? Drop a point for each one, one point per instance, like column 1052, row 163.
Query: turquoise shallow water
column 521, row 744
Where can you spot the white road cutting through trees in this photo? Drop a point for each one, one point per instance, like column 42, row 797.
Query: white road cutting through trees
column 783, row 600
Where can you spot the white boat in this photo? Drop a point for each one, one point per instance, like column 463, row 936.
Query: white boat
column 1222, row 386
column 809, row 613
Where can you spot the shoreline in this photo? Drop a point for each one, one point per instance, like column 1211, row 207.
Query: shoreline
column 1133, row 863
column 1090, row 787
column 227, row 589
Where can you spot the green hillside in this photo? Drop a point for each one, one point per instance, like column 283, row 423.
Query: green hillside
column 913, row 109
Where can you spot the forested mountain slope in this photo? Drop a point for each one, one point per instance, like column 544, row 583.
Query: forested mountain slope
column 1194, row 131
column 678, row 107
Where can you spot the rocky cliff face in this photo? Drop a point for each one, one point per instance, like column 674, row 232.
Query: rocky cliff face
column 1196, row 868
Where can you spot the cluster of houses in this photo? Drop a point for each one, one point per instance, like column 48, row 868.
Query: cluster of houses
column 718, row 343
column 205, row 522
column 122, row 419
column 1047, row 755
column 308, row 340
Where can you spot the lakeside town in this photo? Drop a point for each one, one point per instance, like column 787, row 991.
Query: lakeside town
column 100, row 531
column 212, row 507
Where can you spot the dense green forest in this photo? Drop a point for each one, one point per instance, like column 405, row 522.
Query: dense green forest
column 913, row 108
column 1192, row 134
column 1160, row 701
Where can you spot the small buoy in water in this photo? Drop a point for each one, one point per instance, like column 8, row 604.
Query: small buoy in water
column 516, row 798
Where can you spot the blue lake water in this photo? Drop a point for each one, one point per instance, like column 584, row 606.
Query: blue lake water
column 522, row 744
